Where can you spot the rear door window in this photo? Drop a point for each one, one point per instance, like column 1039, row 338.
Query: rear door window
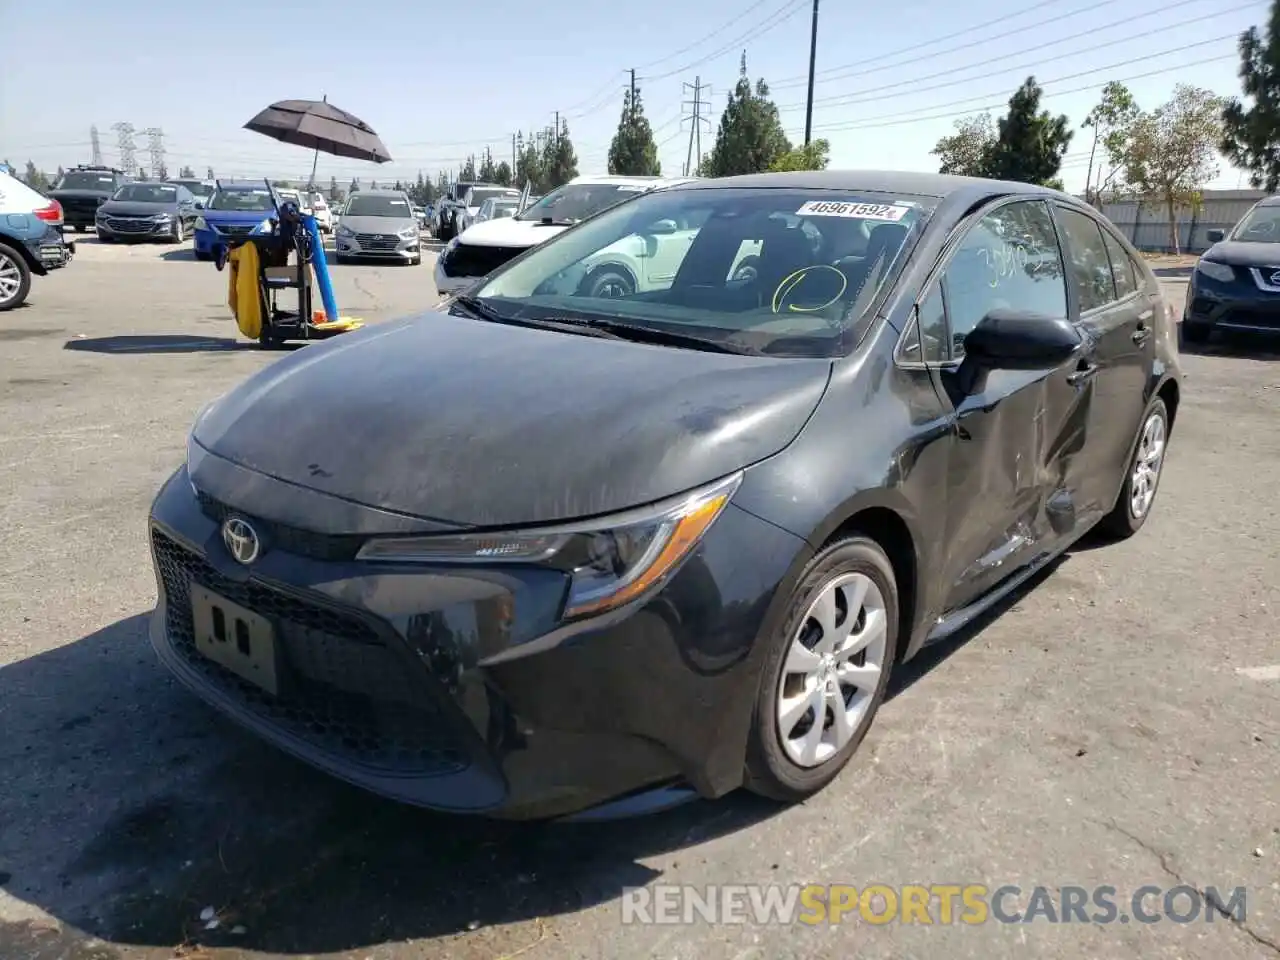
column 1088, row 262
column 1121, row 267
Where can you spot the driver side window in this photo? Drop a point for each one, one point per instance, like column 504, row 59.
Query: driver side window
column 1009, row 259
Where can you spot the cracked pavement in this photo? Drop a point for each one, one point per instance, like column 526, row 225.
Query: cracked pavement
column 1118, row 723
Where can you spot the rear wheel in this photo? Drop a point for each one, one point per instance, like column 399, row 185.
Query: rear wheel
column 1142, row 478
column 826, row 673
column 15, row 278
column 179, row 234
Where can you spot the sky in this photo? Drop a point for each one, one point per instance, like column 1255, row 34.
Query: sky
column 438, row 84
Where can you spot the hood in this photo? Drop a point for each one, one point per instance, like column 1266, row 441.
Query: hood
column 387, row 225
column 509, row 232
column 479, row 424
column 135, row 208
column 235, row 216
column 1245, row 253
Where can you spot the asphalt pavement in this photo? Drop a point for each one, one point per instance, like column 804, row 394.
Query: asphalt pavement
column 1116, row 724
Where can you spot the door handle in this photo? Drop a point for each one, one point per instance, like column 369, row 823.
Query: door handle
column 1142, row 334
column 1083, row 373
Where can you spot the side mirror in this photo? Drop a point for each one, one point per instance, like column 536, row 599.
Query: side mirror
column 662, row 227
column 1216, row 236
column 1016, row 340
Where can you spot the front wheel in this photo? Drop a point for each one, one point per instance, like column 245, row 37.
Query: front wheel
column 15, row 278
column 179, row 234
column 608, row 283
column 1142, row 477
column 826, row 672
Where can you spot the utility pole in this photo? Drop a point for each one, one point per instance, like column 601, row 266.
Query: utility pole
column 557, row 141
column 95, row 146
column 696, row 105
column 128, row 159
column 631, row 113
column 155, row 147
column 813, row 59
column 514, row 158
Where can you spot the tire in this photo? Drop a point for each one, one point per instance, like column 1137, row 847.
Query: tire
column 773, row 767
column 15, row 278
column 607, row 283
column 1125, row 519
column 179, row 234
column 1195, row 332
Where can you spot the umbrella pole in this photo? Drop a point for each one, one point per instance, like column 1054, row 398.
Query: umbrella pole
column 314, row 160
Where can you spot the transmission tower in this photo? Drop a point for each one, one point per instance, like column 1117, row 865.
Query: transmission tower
column 155, row 147
column 128, row 159
column 699, row 103
column 95, row 146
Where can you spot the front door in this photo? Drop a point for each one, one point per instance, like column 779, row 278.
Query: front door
column 1018, row 435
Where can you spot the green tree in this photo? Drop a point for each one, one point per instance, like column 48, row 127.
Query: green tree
column 633, row 152
column 468, row 171
column 561, row 159
column 61, row 173
column 750, row 137
column 186, row 173
column 1172, row 152
column 815, row 156
column 355, row 186
column 503, row 174
column 164, row 172
column 1030, row 143
column 333, row 188
column 529, row 169
column 35, row 178
column 1251, row 135
column 967, row 151
column 208, row 173
column 488, row 169
column 1111, row 122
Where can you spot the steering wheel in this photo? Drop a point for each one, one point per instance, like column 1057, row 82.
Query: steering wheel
column 820, row 279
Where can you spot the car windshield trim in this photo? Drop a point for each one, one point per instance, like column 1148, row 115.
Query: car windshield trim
column 786, row 271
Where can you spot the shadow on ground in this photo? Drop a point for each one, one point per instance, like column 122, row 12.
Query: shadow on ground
column 130, row 809
column 159, row 343
column 1173, row 273
column 183, row 253
column 1236, row 344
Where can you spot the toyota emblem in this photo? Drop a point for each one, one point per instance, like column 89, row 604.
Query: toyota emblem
column 241, row 540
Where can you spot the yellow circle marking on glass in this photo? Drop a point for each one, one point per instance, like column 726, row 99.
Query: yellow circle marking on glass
column 791, row 281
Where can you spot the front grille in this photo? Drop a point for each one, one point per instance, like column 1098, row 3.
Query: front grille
column 467, row 260
column 129, row 225
column 1248, row 317
column 279, row 536
column 377, row 241
column 344, row 688
column 234, row 229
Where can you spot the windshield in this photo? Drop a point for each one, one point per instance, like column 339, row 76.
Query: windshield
column 147, row 193
column 247, row 201
column 770, row 270
column 478, row 197
column 87, row 181
column 369, row 206
column 1260, row 225
column 201, row 190
column 577, row 201
column 503, row 208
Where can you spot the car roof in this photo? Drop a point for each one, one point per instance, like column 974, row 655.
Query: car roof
column 378, row 193
column 1269, row 201
column 939, row 185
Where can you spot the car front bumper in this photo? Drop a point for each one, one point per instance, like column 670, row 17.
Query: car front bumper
column 381, row 246
column 460, row 689
column 120, row 229
column 1240, row 305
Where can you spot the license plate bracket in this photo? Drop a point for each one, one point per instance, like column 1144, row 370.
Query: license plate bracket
column 236, row 638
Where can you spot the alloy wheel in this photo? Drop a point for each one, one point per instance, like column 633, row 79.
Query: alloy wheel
column 10, row 278
column 1146, row 466
column 832, row 669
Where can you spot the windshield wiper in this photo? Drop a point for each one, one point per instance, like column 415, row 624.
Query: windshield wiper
column 642, row 334
column 485, row 312
column 552, row 222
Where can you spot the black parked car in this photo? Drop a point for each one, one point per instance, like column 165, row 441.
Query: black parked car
column 148, row 211
column 82, row 190
column 546, row 550
column 1236, row 284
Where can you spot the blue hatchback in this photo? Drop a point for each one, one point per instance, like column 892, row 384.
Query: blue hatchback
column 234, row 210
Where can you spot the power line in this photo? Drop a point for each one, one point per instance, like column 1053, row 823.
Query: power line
column 950, row 72
column 776, row 19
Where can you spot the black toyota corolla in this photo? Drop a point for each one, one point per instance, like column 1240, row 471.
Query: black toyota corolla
column 1236, row 284
column 541, row 552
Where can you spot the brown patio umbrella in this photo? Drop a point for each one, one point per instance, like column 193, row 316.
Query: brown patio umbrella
column 320, row 126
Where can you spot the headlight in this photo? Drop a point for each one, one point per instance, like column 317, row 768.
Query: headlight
column 262, row 227
column 346, row 231
column 409, row 232
column 202, row 223
column 611, row 561
column 1216, row 271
